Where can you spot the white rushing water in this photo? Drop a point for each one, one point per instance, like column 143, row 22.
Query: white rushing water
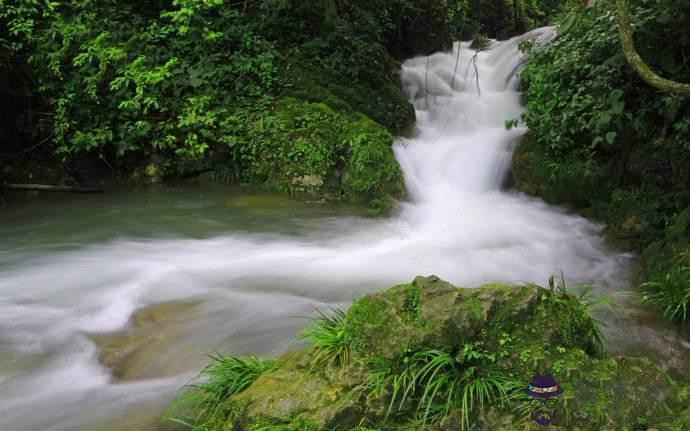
column 457, row 223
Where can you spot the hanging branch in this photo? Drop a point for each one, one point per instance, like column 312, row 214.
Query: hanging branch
column 51, row 188
column 455, row 71
column 473, row 62
column 475, row 59
column 633, row 57
column 426, row 82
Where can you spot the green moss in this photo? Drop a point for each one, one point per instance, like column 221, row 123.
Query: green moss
column 556, row 180
column 372, row 170
column 474, row 306
column 302, row 147
column 367, row 315
column 407, row 301
column 513, row 330
column 379, row 98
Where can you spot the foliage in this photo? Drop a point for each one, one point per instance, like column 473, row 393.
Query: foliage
column 440, row 383
column 178, row 55
column 223, row 377
column 591, row 304
column 636, row 62
column 197, row 85
column 670, row 293
column 326, row 333
column 499, row 19
column 602, row 139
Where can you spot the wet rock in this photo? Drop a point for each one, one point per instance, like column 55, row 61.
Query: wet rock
column 131, row 354
column 308, row 182
column 525, row 329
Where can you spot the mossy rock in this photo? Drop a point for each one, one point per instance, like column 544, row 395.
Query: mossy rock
column 527, row 329
column 297, row 392
column 131, row 354
column 303, row 147
column 574, row 182
column 446, row 317
column 379, row 98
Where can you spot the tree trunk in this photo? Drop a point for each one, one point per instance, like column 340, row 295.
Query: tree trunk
column 48, row 188
column 640, row 67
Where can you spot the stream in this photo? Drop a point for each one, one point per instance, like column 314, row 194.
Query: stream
column 108, row 303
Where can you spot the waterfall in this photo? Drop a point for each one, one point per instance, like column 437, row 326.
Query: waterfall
column 457, row 223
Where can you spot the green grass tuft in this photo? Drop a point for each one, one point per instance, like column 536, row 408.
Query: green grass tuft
column 222, row 378
column 670, row 293
column 326, row 333
column 585, row 295
column 439, row 383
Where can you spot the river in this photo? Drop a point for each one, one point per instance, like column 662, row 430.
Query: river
column 107, row 303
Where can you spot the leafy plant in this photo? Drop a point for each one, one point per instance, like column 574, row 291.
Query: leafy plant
column 438, row 383
column 326, row 333
column 463, row 383
column 592, row 304
column 222, row 378
column 671, row 292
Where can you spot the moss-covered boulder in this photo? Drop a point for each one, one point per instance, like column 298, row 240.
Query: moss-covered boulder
column 432, row 313
column 379, row 97
column 395, row 340
column 131, row 353
column 304, row 147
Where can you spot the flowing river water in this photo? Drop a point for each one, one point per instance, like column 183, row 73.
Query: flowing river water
column 108, row 302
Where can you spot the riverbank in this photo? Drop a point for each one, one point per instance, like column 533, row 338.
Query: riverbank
column 622, row 158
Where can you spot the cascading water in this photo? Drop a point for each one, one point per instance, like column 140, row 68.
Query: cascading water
column 457, row 224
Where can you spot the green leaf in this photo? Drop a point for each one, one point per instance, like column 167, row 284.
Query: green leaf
column 611, row 137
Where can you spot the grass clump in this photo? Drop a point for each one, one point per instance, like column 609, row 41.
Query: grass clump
column 590, row 304
column 326, row 333
column 439, row 383
column 670, row 292
column 223, row 377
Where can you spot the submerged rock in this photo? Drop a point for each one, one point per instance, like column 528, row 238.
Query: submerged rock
column 515, row 330
column 131, row 353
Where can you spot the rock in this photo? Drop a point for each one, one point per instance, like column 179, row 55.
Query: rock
column 307, row 182
column 522, row 329
column 432, row 313
column 131, row 353
column 152, row 173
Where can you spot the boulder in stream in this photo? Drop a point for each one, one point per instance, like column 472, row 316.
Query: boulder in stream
column 459, row 336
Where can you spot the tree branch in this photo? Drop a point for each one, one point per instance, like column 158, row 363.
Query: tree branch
column 640, row 67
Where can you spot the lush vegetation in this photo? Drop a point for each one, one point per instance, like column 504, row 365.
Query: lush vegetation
column 297, row 96
column 193, row 86
column 428, row 355
column 303, row 97
column 610, row 144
